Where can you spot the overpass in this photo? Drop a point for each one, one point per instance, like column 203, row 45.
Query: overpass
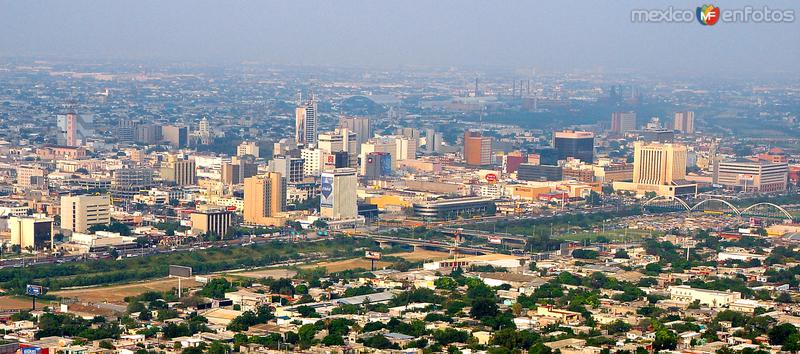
column 505, row 237
column 433, row 245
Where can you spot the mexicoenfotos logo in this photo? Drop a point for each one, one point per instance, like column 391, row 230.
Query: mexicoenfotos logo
column 709, row 15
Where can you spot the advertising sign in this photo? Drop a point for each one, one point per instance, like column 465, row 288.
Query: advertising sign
column 326, row 191
column 180, row 271
column 373, row 255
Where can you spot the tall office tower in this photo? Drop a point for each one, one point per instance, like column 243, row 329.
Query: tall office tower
column 622, row 122
column 340, row 140
column 378, row 144
column 377, row 165
column 129, row 181
column 264, row 198
column 338, row 194
column 312, row 161
column 288, row 166
column 658, row 164
column 575, row 144
column 477, row 149
column 684, row 122
column 406, row 149
column 411, row 133
column 176, row 136
column 430, row 140
column 75, row 129
column 126, row 130
column 305, row 123
column 204, row 132
column 148, row 133
column 362, row 126
column 247, row 148
column 438, row 139
column 80, row 212
column 237, row 170
column 31, row 232
column 185, row 172
column 284, row 146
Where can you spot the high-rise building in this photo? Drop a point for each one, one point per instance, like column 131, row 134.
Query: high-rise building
column 312, row 161
column 477, row 149
column 430, row 140
column 411, row 133
column 129, row 181
column 658, row 164
column 340, row 140
column 659, row 168
column 179, row 170
column 752, row 176
column 148, row 133
column 235, row 171
column 362, row 126
column 305, row 123
column 531, row 172
column 288, row 166
column 126, row 130
column 80, row 212
column 338, row 194
column 405, row 149
column 684, row 122
column 265, row 199
column 212, row 221
column 31, row 232
column 176, row 136
column 622, row 122
column 75, row 128
column 247, row 148
column 377, row 165
column 378, row 144
column 204, row 132
column 575, row 144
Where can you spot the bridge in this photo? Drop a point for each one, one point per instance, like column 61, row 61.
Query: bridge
column 716, row 206
column 384, row 241
column 489, row 236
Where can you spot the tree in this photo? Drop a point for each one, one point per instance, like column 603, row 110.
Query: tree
column 539, row 348
column 778, row 335
column 446, row 283
column 665, row 340
column 332, row 340
column 784, row 298
column 621, row 253
column 483, row 307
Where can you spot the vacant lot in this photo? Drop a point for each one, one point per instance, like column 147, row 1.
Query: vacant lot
column 422, row 255
column 347, row 264
column 16, row 303
column 118, row 293
column 266, row 273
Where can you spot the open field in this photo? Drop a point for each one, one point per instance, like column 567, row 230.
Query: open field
column 347, row 264
column 613, row 235
column 16, row 302
column 275, row 273
column 421, row 255
column 117, row 293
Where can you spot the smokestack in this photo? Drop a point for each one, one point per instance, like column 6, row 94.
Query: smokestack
column 476, row 87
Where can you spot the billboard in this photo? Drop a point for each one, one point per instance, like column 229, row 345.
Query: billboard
column 326, row 191
column 34, row 290
column 495, row 240
column 180, row 271
column 372, row 255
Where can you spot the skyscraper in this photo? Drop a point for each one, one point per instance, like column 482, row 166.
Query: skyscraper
column 340, row 140
column 362, row 126
column 338, row 194
column 305, row 123
column 575, row 144
column 622, row 122
column 658, row 164
column 684, row 122
column 75, row 129
column 247, row 148
column 477, row 148
column 659, row 168
column 264, row 199
column 176, row 136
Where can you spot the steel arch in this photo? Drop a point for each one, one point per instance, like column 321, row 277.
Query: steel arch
column 782, row 210
column 735, row 209
column 688, row 208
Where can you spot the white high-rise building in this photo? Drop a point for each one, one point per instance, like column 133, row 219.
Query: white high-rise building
column 306, row 123
column 341, row 139
column 338, row 199
column 312, row 161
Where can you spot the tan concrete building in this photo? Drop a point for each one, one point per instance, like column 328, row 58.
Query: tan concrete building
column 265, row 199
column 31, row 232
column 658, row 168
column 80, row 212
column 477, row 149
column 214, row 221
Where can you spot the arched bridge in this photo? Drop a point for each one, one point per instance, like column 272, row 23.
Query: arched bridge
column 716, row 206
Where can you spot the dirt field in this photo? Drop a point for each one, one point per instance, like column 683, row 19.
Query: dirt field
column 422, row 255
column 347, row 264
column 117, row 293
column 266, row 273
column 14, row 303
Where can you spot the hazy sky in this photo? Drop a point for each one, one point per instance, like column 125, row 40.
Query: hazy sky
column 574, row 35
